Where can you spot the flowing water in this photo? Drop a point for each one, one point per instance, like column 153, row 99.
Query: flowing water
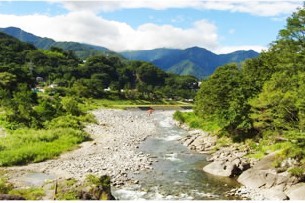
column 177, row 173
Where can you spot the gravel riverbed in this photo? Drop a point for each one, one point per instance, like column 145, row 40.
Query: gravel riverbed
column 113, row 150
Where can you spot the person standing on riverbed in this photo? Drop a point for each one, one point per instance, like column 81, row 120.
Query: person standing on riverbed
column 150, row 111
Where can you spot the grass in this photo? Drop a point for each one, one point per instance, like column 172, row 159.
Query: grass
column 95, row 187
column 67, row 190
column 285, row 149
column 91, row 104
column 297, row 172
column 5, row 186
column 32, row 193
column 195, row 122
column 28, row 145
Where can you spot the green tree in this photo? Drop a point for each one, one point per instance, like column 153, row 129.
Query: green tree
column 19, row 109
column 218, row 93
column 275, row 107
column 70, row 105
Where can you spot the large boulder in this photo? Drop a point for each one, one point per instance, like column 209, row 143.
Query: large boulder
column 263, row 174
column 253, row 178
column 296, row 192
column 199, row 141
column 274, row 193
column 221, row 168
column 227, row 162
column 271, row 184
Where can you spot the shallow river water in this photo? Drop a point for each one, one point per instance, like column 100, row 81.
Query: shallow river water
column 177, row 173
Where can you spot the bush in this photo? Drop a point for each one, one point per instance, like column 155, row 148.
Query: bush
column 5, row 186
column 67, row 190
column 70, row 105
column 297, row 171
column 29, row 193
column 179, row 116
column 190, row 118
column 67, row 121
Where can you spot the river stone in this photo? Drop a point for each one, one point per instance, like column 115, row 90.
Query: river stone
column 220, row 168
column 260, row 174
column 253, row 178
column 271, row 179
column 282, row 178
column 190, row 140
column 275, row 193
column 198, row 141
column 296, row 192
column 266, row 162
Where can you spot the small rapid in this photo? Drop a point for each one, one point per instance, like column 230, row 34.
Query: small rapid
column 177, row 171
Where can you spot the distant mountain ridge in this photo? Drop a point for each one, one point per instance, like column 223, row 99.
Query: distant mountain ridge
column 195, row 61
column 81, row 50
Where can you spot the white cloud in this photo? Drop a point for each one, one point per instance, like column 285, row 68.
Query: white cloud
column 87, row 27
column 149, row 36
column 257, row 7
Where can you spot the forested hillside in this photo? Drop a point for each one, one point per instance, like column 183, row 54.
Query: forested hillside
column 81, row 50
column 192, row 61
column 264, row 100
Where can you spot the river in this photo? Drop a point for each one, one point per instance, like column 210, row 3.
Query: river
column 177, row 171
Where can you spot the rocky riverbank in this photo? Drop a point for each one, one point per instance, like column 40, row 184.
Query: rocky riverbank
column 113, row 150
column 260, row 179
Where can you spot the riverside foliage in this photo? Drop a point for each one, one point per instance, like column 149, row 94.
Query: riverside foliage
column 264, row 99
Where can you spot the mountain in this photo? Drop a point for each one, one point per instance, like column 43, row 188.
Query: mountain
column 12, row 51
column 80, row 49
column 195, row 61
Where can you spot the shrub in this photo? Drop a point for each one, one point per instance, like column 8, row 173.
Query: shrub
column 70, row 105
column 29, row 193
column 297, row 171
column 67, row 121
column 67, row 190
column 5, row 186
column 179, row 116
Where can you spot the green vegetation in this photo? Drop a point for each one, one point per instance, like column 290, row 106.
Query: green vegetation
column 93, row 188
column 29, row 193
column 196, row 122
column 90, row 104
column 67, row 190
column 261, row 103
column 100, row 188
column 5, row 186
column 23, row 146
column 297, row 171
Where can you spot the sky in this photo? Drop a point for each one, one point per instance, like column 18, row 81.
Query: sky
column 221, row 26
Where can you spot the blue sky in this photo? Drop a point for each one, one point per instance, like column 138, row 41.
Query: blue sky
column 220, row 26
